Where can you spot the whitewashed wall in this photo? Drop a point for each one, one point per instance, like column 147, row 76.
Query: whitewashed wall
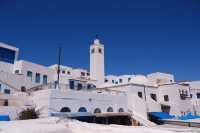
column 16, row 81
column 6, row 67
column 25, row 66
column 91, row 100
column 177, row 105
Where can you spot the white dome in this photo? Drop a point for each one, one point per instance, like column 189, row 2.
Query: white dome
column 139, row 79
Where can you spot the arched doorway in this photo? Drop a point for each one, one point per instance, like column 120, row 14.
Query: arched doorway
column 82, row 109
column 121, row 110
column 65, row 109
column 97, row 110
column 110, row 109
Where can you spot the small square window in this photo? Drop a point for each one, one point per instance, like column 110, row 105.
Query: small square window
column 16, row 71
column 29, row 74
column 7, row 91
column 140, row 94
column 198, row 95
column 166, row 98
column 6, row 102
column 154, row 97
column 120, row 80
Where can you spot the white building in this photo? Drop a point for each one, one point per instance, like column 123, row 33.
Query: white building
column 91, row 91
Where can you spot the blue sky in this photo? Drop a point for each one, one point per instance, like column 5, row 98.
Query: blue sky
column 140, row 36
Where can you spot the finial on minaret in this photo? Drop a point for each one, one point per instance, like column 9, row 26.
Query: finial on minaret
column 96, row 40
column 97, row 36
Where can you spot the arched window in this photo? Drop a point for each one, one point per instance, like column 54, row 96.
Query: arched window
column 121, row 110
column 93, row 50
column 110, row 109
column 97, row 110
column 100, row 50
column 82, row 109
column 89, row 86
column 65, row 109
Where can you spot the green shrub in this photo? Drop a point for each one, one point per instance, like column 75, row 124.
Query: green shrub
column 29, row 114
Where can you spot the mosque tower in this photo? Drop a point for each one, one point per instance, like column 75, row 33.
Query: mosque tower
column 97, row 71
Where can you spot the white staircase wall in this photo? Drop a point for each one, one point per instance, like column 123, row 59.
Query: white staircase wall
column 138, row 109
column 137, row 104
column 41, row 101
column 153, row 106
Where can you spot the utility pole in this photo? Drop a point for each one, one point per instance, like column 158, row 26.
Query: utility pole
column 59, row 62
column 146, row 104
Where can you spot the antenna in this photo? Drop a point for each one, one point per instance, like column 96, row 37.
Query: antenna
column 59, row 61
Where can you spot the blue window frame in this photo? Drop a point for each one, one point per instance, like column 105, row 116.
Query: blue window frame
column 80, row 86
column 198, row 95
column 7, row 91
column 71, row 84
column 29, row 74
column 45, row 78
column 7, row 55
column 37, row 77
column 89, row 86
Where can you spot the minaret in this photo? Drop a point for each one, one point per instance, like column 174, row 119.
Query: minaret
column 97, row 61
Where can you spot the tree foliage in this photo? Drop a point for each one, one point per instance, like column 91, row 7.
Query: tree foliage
column 29, row 114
